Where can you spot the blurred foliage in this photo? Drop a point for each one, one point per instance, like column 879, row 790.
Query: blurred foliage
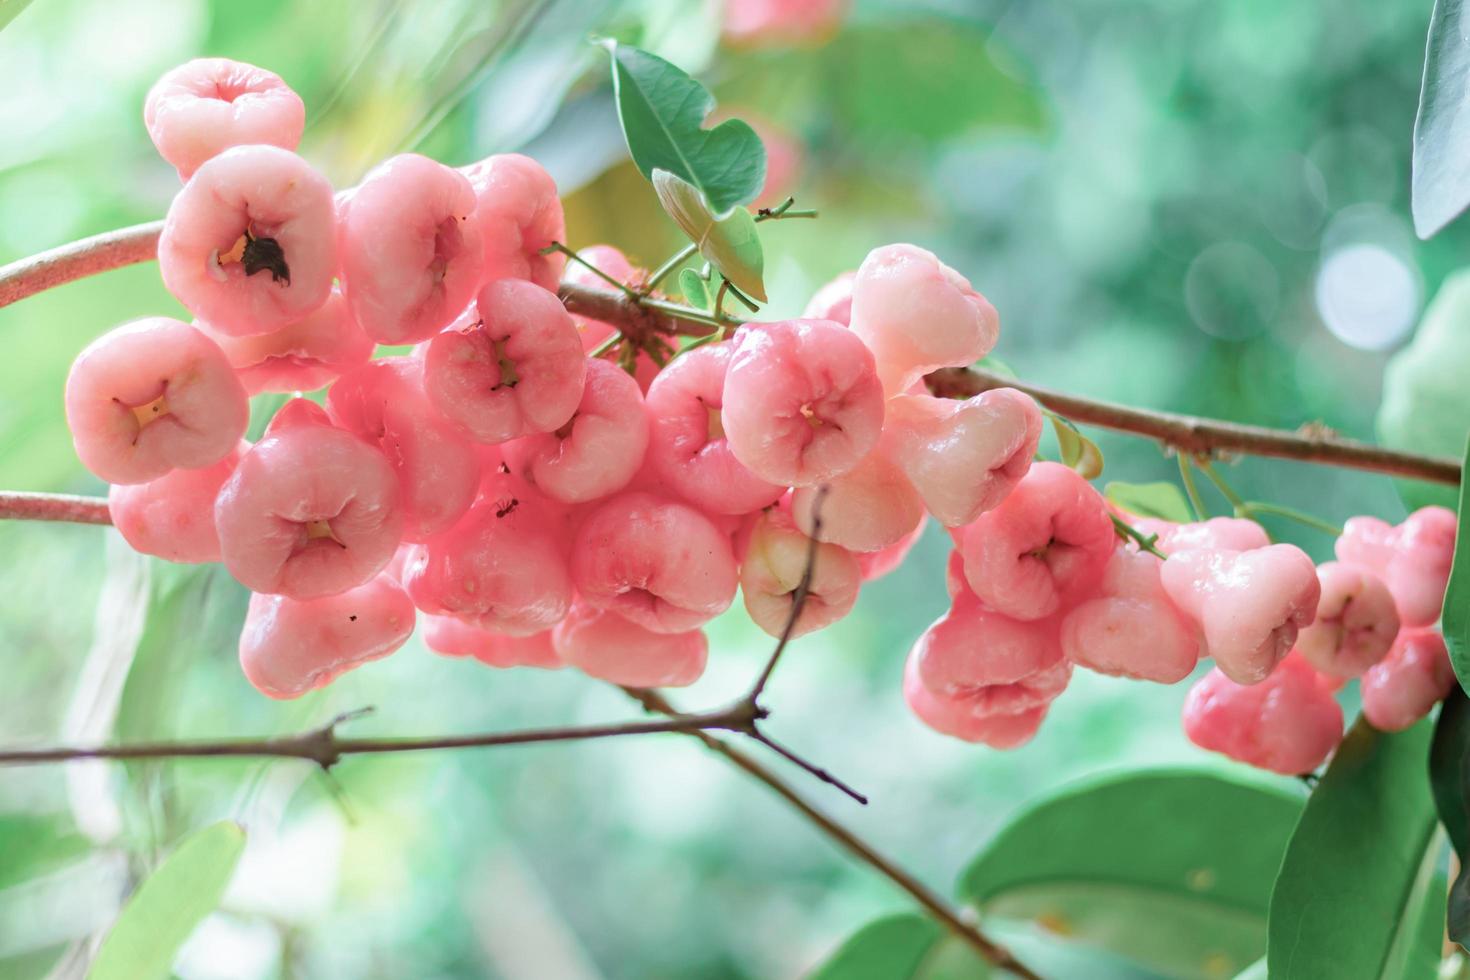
column 1156, row 195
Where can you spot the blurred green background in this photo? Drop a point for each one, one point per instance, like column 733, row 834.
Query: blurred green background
column 1177, row 203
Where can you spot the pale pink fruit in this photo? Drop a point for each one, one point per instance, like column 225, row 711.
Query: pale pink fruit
column 311, row 510
column 1131, row 628
column 802, row 403
column 1041, row 547
column 455, row 638
column 519, row 214
column 999, row 665
column 1287, row 723
column 774, row 563
column 1419, row 570
column 172, row 517
column 781, row 23
column 954, row 578
column 517, row 368
column 963, row 457
column 833, row 301
column 1250, row 604
column 301, row 356
column 688, row 448
column 438, row 471
column 151, row 396
column 917, row 314
column 208, row 105
column 660, row 563
column 1355, row 625
column 599, row 449
column 291, row 646
column 959, row 718
column 1367, row 542
column 876, row 564
column 615, row 264
column 603, row 644
column 500, row 568
column 1221, row 533
column 411, row 251
column 870, row 507
column 249, row 245
column 1406, row 685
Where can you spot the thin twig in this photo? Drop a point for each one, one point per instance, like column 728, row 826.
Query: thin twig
column 662, row 272
column 1145, row 542
column 1186, row 476
column 798, row 599
column 575, row 256
column 18, row 506
column 816, row 770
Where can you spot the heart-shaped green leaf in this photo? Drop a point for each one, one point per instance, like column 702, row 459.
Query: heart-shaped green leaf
column 662, row 111
column 1351, row 896
column 695, row 289
column 731, row 244
column 169, row 905
column 1170, row 868
column 1447, row 760
column 1162, row 500
column 1441, row 181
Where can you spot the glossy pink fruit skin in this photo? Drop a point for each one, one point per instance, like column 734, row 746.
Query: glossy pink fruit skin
column 688, row 447
column 291, row 646
column 302, row 476
column 1250, row 604
column 271, row 194
column 202, row 417
column 917, row 314
column 1406, row 685
column 655, row 561
column 1288, row 723
column 997, row 664
column 411, row 251
column 1413, row 559
column 870, row 507
column 302, row 356
column 958, row 717
column 1131, row 628
column 1041, row 547
column 771, row 571
column 963, row 457
column 519, row 214
column 517, row 368
column 600, row 448
column 603, row 644
column 207, row 105
column 500, row 568
column 802, row 403
column 1220, row 533
column 455, row 638
column 438, row 470
column 1355, row 625
column 833, row 301
column 876, row 564
column 172, row 517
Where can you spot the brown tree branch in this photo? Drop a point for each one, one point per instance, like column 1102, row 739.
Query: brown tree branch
column 19, row 506
column 970, row 934
column 637, row 318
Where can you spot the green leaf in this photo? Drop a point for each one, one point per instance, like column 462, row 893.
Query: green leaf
column 169, row 905
column 1162, row 500
column 1350, row 897
column 662, row 111
column 1078, row 451
column 1440, row 188
column 731, row 244
column 1447, row 769
column 10, row 9
column 1426, row 403
column 695, row 289
column 1455, row 620
column 1256, row 971
column 1171, row 868
column 888, row 949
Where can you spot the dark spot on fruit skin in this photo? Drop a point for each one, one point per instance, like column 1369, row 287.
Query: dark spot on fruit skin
column 502, row 511
column 504, row 468
column 352, row 618
column 265, row 255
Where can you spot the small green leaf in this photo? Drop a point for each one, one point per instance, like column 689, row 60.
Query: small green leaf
column 662, row 111
column 10, row 9
column 169, row 905
column 731, row 244
column 892, row 948
column 1171, row 868
column 1350, row 898
column 1447, row 758
column 1426, row 403
column 1078, row 451
column 695, row 289
column 1440, row 188
column 1162, row 500
column 1455, row 621
column 996, row 366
